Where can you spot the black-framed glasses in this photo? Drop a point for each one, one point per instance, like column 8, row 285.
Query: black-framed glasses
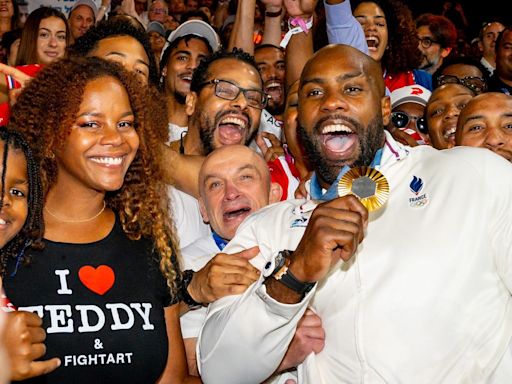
column 426, row 42
column 229, row 91
column 401, row 119
column 475, row 83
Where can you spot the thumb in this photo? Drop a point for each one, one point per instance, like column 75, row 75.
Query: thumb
column 261, row 144
column 248, row 254
column 39, row 368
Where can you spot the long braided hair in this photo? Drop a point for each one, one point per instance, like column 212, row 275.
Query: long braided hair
column 31, row 233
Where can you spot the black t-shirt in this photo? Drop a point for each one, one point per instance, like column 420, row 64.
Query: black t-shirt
column 102, row 306
column 496, row 85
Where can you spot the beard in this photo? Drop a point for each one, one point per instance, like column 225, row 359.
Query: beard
column 207, row 127
column 180, row 97
column 430, row 65
column 275, row 109
column 370, row 137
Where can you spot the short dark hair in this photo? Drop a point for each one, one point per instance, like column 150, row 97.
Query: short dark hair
column 110, row 28
column 194, row 13
column 9, row 37
column 262, row 46
column 462, row 60
column 201, row 73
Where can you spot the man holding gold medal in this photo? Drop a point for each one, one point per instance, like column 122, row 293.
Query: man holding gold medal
column 410, row 272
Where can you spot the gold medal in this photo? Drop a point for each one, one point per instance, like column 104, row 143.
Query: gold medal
column 367, row 184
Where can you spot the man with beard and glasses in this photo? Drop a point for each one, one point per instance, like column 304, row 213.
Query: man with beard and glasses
column 437, row 38
column 223, row 108
column 393, row 309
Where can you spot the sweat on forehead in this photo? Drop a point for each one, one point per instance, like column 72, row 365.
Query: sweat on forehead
column 345, row 59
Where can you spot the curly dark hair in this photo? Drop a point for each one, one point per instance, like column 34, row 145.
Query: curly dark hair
column 166, row 53
column 117, row 27
column 47, row 109
column 201, row 73
column 402, row 53
column 31, row 233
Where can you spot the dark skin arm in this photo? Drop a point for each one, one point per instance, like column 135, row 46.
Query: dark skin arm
column 24, row 342
column 182, row 171
column 176, row 370
column 334, row 232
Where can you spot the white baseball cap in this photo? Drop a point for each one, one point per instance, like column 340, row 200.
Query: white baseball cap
column 89, row 3
column 198, row 28
column 410, row 94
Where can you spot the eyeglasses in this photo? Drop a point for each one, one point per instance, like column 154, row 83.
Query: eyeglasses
column 401, row 119
column 426, row 42
column 475, row 83
column 229, row 91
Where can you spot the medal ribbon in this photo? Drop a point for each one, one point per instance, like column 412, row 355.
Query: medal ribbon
column 221, row 243
column 332, row 192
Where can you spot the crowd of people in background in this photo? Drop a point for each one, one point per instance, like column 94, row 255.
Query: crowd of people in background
column 169, row 194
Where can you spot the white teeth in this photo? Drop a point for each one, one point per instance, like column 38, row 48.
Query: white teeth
column 108, row 160
column 2, row 222
column 449, row 132
column 336, row 128
column 188, row 78
column 234, row 120
column 273, row 84
column 372, row 41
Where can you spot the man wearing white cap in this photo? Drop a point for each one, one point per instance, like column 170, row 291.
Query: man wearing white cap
column 186, row 46
column 408, row 107
column 82, row 17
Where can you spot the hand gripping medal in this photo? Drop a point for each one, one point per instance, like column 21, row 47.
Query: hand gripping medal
column 367, row 184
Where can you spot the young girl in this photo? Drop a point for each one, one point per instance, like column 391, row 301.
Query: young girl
column 20, row 198
column 20, row 213
column 109, row 313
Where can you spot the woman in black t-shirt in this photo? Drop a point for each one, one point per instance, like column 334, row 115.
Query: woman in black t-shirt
column 109, row 314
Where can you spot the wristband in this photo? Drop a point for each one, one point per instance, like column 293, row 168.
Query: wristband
column 296, row 25
column 282, row 274
column 185, row 296
column 273, row 14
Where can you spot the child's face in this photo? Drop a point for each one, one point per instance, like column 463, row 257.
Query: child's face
column 15, row 200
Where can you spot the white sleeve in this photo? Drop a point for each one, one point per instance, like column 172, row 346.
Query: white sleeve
column 245, row 337
column 499, row 178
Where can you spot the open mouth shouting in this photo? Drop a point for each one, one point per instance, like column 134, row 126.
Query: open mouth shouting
column 236, row 213
column 338, row 139
column 232, row 128
column 373, row 43
column 274, row 89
